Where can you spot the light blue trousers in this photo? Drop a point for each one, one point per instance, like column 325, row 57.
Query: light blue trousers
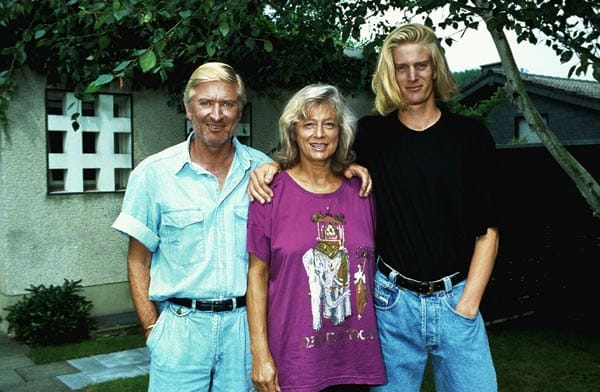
column 414, row 326
column 200, row 351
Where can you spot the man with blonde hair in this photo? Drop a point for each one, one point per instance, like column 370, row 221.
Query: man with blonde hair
column 185, row 212
column 433, row 176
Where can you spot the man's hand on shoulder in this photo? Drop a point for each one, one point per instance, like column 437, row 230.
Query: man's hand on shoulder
column 356, row 170
column 260, row 178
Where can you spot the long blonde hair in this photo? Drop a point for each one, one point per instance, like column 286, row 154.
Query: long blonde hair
column 388, row 96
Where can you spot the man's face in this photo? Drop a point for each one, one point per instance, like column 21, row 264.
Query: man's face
column 414, row 73
column 214, row 111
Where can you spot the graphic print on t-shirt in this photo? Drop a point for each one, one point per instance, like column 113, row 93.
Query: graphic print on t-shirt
column 327, row 268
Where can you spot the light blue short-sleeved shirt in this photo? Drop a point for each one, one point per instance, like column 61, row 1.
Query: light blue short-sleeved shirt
column 195, row 231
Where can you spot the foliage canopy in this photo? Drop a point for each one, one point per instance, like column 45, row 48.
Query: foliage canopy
column 278, row 44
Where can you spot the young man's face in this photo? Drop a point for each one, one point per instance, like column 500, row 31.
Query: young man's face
column 414, row 73
column 214, row 111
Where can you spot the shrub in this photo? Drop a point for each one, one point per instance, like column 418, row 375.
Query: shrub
column 51, row 315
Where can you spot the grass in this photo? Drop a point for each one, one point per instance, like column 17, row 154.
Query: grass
column 529, row 357
column 127, row 339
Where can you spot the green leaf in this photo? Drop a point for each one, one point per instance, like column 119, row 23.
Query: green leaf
column 103, row 42
column 104, row 79
column 210, row 49
column 566, row 56
column 39, row 34
column 147, row 60
column 92, row 88
column 120, row 14
column 122, row 66
column 224, row 28
column 268, row 46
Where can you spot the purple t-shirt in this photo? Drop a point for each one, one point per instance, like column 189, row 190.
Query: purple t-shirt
column 320, row 249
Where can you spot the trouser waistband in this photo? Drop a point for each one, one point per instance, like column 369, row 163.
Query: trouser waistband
column 217, row 305
column 418, row 286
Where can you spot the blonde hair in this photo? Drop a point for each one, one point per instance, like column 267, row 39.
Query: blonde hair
column 298, row 109
column 213, row 72
column 388, row 96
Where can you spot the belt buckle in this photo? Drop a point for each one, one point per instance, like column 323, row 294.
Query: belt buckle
column 431, row 288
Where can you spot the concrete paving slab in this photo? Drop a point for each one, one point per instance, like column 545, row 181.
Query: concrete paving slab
column 14, row 361
column 9, row 377
column 121, row 358
column 115, row 373
column 87, row 364
column 38, row 372
column 76, row 380
column 145, row 367
column 44, row 385
column 9, row 347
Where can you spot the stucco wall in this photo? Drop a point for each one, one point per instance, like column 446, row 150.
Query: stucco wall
column 48, row 238
column 45, row 239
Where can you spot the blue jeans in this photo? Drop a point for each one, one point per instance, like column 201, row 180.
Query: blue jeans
column 199, row 351
column 414, row 326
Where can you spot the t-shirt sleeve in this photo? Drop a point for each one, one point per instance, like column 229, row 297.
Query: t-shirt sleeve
column 258, row 233
column 487, row 213
column 138, row 217
column 360, row 141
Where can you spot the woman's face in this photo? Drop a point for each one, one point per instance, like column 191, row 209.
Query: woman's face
column 317, row 135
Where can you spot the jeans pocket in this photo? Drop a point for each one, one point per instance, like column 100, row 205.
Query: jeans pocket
column 385, row 292
column 450, row 302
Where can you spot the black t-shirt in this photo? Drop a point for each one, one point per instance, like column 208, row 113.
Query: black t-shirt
column 434, row 189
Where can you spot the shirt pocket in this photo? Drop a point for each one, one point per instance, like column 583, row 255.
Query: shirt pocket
column 182, row 236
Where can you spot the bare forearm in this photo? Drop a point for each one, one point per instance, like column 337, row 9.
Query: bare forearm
column 480, row 271
column 264, row 370
column 257, row 298
column 138, row 271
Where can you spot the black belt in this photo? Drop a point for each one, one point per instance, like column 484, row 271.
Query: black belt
column 418, row 286
column 216, row 305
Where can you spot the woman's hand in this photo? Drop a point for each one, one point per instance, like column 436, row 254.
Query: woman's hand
column 264, row 376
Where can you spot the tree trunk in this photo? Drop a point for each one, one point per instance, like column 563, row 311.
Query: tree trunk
column 587, row 185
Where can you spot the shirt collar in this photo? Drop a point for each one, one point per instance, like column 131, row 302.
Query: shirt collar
column 184, row 158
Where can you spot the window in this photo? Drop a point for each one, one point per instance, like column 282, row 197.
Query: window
column 524, row 134
column 98, row 156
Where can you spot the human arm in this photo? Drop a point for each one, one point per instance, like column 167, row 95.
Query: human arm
column 354, row 169
column 264, row 371
column 480, row 271
column 139, row 259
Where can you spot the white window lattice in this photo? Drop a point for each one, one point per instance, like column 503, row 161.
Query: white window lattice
column 98, row 156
